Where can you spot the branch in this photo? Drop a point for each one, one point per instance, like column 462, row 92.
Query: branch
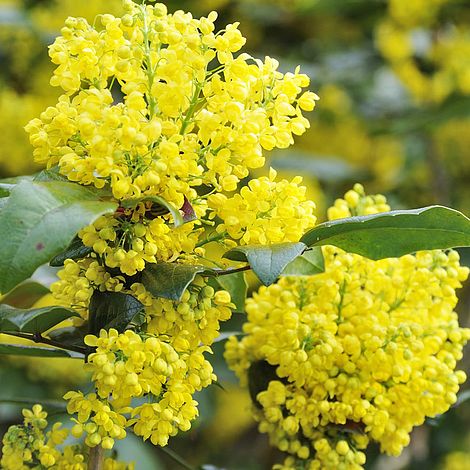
column 225, row 272
column 96, row 458
column 38, row 338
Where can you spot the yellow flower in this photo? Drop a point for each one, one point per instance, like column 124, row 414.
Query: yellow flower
column 367, row 349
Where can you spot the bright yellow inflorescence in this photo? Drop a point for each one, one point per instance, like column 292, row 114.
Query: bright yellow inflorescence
column 29, row 446
column 162, row 113
column 176, row 120
column 363, row 352
column 264, row 211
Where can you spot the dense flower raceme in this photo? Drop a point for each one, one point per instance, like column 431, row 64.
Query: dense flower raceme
column 186, row 111
column 30, row 446
column 158, row 105
column 360, row 353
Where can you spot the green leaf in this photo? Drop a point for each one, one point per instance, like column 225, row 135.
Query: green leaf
column 260, row 373
column 33, row 320
column 76, row 250
column 50, row 174
column 112, row 310
column 395, row 233
column 308, row 264
column 25, row 294
column 235, row 285
column 159, row 201
column 39, row 221
column 267, row 262
column 17, row 350
column 69, row 336
column 169, row 280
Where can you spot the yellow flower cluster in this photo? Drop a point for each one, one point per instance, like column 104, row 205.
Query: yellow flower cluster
column 28, row 446
column 162, row 109
column 264, row 211
column 192, row 321
column 362, row 352
column 173, row 123
column 127, row 366
column 130, row 240
column 166, row 364
column 441, row 46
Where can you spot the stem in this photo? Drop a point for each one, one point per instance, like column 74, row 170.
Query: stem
column 192, row 107
column 38, row 338
column 224, row 272
column 173, row 455
column 96, row 458
column 212, row 238
column 148, row 63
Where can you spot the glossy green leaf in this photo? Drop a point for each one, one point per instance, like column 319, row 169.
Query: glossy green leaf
column 235, row 285
column 307, row 264
column 112, row 310
column 169, row 280
column 159, row 201
column 39, row 221
column 69, row 336
column 33, row 320
column 76, row 250
column 37, row 351
column 260, row 373
column 267, row 262
column 24, row 295
column 395, row 233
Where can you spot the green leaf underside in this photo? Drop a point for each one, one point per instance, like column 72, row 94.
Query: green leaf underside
column 235, row 285
column 112, row 310
column 267, row 262
column 169, row 280
column 308, row 264
column 34, row 320
column 394, row 233
column 25, row 294
column 177, row 217
column 76, row 250
column 39, row 221
column 19, row 350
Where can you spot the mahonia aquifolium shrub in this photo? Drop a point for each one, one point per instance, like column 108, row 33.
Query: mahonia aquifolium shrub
column 158, row 104
column 361, row 353
column 29, row 445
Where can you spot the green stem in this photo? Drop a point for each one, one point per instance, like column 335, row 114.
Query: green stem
column 225, row 272
column 38, row 338
column 191, row 109
column 148, row 63
column 212, row 238
column 96, row 458
column 173, row 455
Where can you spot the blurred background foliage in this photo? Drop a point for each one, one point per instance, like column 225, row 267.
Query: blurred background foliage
column 393, row 78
